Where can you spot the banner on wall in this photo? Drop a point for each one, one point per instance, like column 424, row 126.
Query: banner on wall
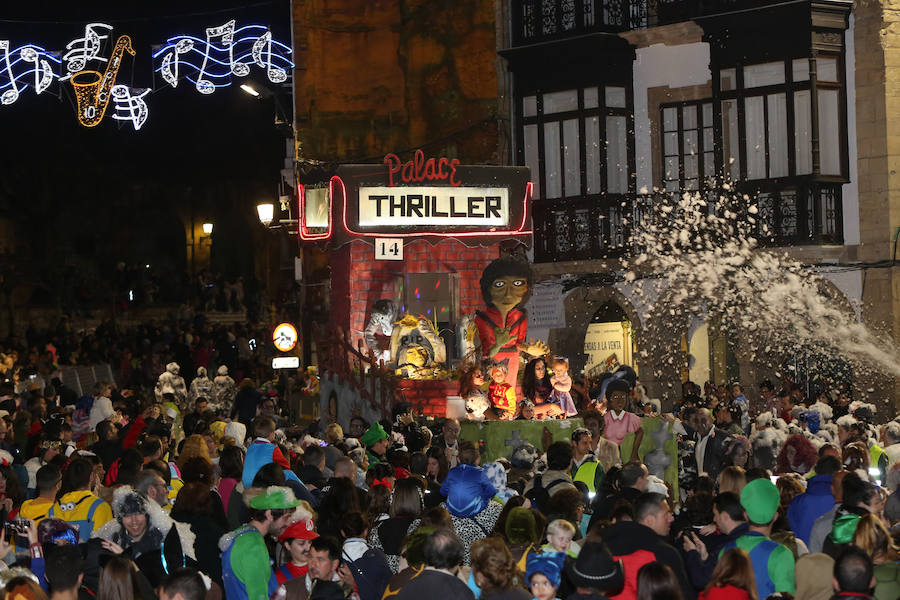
column 607, row 346
column 545, row 308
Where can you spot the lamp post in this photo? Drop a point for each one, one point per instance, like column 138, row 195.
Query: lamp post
column 266, row 213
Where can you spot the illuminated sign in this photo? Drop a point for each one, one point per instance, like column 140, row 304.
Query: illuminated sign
column 433, row 206
column 209, row 63
column 285, row 337
column 225, row 51
column 423, row 198
column 286, row 362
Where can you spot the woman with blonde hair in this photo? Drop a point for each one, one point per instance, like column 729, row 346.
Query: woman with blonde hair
column 732, row 479
column 873, row 536
column 494, row 571
column 732, row 578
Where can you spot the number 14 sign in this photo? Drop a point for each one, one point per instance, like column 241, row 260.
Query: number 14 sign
column 389, row 249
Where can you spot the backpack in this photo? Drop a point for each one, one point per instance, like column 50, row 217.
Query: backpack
column 540, row 495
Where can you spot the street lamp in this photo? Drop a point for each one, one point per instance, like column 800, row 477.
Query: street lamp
column 266, row 212
column 207, row 229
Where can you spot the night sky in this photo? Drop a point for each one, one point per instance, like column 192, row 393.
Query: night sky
column 109, row 193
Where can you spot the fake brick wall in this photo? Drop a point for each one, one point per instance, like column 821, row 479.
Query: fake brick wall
column 429, row 398
column 358, row 280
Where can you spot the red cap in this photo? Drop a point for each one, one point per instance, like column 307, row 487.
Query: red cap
column 304, row 529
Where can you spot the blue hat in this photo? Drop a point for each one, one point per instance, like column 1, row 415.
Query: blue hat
column 548, row 564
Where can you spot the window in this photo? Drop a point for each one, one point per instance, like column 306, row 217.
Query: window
column 767, row 112
column 578, row 143
column 688, row 148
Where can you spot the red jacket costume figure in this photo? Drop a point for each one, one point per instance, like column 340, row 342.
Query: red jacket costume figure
column 505, row 287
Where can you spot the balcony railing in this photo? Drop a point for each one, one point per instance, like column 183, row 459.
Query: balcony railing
column 545, row 20
column 602, row 228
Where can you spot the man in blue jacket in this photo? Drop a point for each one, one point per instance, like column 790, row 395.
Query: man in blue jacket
column 816, row 501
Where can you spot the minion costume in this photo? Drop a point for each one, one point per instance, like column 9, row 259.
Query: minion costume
column 246, row 571
column 773, row 563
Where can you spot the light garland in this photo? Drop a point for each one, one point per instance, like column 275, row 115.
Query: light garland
column 42, row 71
column 225, row 52
column 208, row 63
column 130, row 107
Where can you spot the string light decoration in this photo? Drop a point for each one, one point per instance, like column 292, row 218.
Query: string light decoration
column 93, row 90
column 40, row 72
column 130, row 107
column 81, row 51
column 210, row 63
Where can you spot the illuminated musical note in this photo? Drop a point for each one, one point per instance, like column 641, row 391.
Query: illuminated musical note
column 226, row 33
column 43, row 72
column 84, row 49
column 130, row 107
column 170, row 60
column 11, row 95
column 275, row 74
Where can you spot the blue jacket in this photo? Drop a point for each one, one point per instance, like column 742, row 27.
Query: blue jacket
column 809, row 506
column 468, row 490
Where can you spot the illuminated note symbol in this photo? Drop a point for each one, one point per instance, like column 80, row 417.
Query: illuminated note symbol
column 226, row 33
column 275, row 74
column 43, row 72
column 84, row 49
column 10, row 95
column 130, row 107
column 170, row 61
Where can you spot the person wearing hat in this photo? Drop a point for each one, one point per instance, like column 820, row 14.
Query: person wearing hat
column 245, row 558
column 376, row 442
column 296, row 540
column 773, row 563
column 543, row 572
column 594, row 574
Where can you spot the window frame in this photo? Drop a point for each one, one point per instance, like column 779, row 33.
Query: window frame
column 704, row 182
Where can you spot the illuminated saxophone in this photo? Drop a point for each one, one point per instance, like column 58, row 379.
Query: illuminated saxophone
column 92, row 89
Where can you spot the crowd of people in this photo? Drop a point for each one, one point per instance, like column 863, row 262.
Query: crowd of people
column 201, row 489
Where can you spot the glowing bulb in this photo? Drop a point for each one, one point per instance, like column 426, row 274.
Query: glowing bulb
column 266, row 212
column 207, row 228
column 249, row 90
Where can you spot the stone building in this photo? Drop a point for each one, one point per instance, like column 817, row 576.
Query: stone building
column 606, row 100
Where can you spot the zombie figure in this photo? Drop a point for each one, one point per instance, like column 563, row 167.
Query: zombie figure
column 384, row 314
column 506, row 285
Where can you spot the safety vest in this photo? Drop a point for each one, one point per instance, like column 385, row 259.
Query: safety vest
column 587, row 474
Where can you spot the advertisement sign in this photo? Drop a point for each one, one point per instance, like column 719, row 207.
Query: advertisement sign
column 607, row 345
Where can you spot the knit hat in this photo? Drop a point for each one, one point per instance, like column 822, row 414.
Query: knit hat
column 760, row 500
column 813, row 575
column 548, row 564
column 132, row 503
column 275, row 498
column 304, row 529
column 521, row 527
column 375, row 434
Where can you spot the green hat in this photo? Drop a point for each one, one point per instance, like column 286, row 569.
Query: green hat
column 375, row 434
column 760, row 500
column 844, row 528
column 274, row 498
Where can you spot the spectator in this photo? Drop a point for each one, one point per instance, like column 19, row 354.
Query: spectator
column 815, row 501
column 49, row 482
column 594, row 574
column 853, row 574
column 183, row 584
column 494, row 571
column 77, row 504
column 443, row 553
column 656, row 581
column 643, row 541
column 732, row 579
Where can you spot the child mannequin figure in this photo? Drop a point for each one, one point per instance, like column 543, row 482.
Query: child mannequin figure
column 501, row 394
column 470, row 384
column 562, row 386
